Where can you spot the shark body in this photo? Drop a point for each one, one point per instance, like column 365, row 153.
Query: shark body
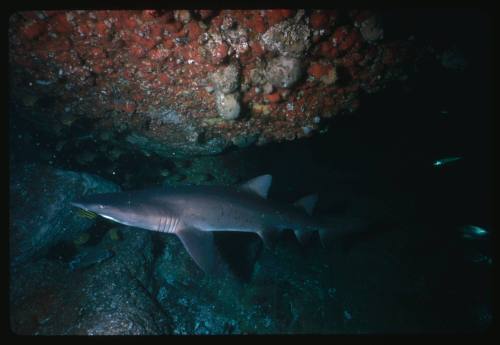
column 193, row 213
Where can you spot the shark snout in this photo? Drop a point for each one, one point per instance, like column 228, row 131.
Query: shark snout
column 85, row 205
column 81, row 206
column 78, row 204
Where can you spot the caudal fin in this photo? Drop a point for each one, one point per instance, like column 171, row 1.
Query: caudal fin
column 201, row 246
column 340, row 227
column 352, row 230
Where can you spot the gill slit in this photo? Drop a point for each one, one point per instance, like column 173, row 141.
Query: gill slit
column 177, row 222
column 167, row 222
column 163, row 224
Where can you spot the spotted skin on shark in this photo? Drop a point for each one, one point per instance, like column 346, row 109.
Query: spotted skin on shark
column 193, row 213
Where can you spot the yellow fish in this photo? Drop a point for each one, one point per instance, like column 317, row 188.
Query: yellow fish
column 86, row 214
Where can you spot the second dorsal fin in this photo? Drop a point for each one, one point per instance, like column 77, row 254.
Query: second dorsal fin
column 307, row 203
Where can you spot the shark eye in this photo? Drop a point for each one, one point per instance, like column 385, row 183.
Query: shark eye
column 101, row 206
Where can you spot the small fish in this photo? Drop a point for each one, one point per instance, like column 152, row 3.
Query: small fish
column 446, row 160
column 473, row 232
column 86, row 214
column 479, row 258
column 347, row 315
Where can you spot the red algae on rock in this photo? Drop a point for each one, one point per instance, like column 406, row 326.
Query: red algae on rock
column 154, row 71
column 273, row 97
column 319, row 20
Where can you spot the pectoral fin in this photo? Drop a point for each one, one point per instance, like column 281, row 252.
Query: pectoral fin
column 201, row 246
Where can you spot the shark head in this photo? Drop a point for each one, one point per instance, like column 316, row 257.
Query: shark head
column 107, row 205
column 126, row 208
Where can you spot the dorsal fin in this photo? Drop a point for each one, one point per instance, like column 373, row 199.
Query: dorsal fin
column 258, row 185
column 307, row 203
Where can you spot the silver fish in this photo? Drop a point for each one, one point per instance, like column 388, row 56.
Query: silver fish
column 444, row 161
column 473, row 232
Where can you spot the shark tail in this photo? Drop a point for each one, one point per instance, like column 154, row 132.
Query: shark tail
column 340, row 227
column 334, row 227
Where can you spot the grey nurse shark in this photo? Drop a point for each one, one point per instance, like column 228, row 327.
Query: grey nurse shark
column 193, row 213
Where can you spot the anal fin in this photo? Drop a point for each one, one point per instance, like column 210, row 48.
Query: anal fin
column 201, row 246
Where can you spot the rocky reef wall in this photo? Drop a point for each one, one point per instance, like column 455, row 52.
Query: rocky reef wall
column 189, row 82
